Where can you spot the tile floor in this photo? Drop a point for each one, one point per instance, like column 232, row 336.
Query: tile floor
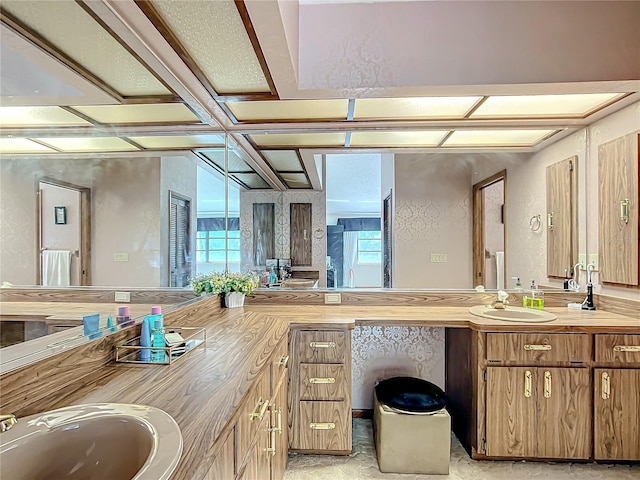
column 362, row 464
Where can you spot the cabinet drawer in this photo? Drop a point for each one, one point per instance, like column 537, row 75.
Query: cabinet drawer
column 539, row 348
column 252, row 411
column 279, row 363
column 320, row 346
column 323, row 382
column 618, row 349
column 325, row 426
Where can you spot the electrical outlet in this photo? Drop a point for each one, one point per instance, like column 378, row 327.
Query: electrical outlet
column 123, row 297
column 582, row 260
column 593, row 259
column 334, row 298
column 120, row 257
column 438, row 258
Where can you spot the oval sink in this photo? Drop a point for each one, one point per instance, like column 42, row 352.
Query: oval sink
column 299, row 283
column 100, row 441
column 512, row 314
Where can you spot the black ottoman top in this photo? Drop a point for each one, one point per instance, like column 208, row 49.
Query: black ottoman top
column 410, row 394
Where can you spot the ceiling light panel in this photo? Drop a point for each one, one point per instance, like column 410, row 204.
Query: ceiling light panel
column 251, row 180
column 89, row 144
column 39, row 117
column 283, row 160
column 290, row 110
column 66, row 26
column 496, row 138
column 299, row 139
column 21, row 145
column 236, row 164
column 413, row 108
column 295, row 180
column 140, row 113
column 422, row 138
column 213, row 34
column 569, row 105
column 179, row 141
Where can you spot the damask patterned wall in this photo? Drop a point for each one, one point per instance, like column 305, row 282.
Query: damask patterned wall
column 383, row 352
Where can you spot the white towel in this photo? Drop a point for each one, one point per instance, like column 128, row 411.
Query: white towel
column 500, row 270
column 56, row 268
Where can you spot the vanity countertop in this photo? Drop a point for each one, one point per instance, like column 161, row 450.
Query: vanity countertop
column 69, row 310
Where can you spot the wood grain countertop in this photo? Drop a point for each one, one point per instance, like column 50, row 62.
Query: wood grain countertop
column 203, row 390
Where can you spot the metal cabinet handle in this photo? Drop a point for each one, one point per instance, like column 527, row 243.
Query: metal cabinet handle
column 527, row 383
column 322, row 344
column 547, row 384
column 271, row 448
column 279, row 423
column 530, row 347
column 624, row 210
column 322, row 380
column 626, row 348
column 322, row 426
column 262, row 405
column 550, row 221
column 284, row 359
column 606, row 386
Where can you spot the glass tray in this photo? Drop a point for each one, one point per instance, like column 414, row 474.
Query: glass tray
column 130, row 351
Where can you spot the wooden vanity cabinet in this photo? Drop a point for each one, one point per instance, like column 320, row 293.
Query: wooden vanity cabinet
column 617, row 397
column 320, row 394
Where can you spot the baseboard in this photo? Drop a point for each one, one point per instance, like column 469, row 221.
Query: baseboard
column 368, row 413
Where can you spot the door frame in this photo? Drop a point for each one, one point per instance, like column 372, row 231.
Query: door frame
column 478, row 225
column 85, row 228
column 387, row 237
column 190, row 235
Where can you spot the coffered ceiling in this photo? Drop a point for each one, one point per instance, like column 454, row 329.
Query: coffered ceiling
column 280, row 81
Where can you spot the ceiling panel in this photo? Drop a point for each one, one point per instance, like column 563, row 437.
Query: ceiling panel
column 140, row 113
column 283, row 160
column 89, row 144
column 300, row 139
column 66, row 26
column 295, row 180
column 39, row 117
column 495, row 138
column 213, row 34
column 290, row 110
column 413, row 108
column 21, row 145
column 179, row 141
column 236, row 164
column 568, row 105
column 400, row 138
column 251, row 180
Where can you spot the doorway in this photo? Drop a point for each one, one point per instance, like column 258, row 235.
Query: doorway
column 489, row 232
column 179, row 240
column 64, row 233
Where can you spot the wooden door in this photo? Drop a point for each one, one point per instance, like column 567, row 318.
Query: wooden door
column 616, row 414
column 280, row 421
column 511, row 412
column 263, row 233
column 618, row 198
column 561, row 216
column 564, row 413
column 301, row 234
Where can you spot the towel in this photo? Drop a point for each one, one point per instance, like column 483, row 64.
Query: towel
column 500, row 270
column 56, row 268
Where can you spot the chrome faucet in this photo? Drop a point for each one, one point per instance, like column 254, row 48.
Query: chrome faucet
column 7, row 421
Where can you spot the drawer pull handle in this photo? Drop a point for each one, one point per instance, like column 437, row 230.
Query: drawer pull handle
column 279, row 416
column 322, row 380
column 284, row 359
column 527, row 383
column 272, row 442
column 262, row 405
column 322, row 344
column 533, row 346
column 547, row 384
column 606, row 386
column 322, row 426
column 627, row 348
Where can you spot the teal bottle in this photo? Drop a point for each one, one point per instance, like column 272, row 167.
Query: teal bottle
column 157, row 339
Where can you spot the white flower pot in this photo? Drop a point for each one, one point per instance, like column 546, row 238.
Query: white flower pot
column 234, row 299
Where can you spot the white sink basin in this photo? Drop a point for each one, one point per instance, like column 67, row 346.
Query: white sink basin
column 299, row 283
column 512, row 314
column 100, row 441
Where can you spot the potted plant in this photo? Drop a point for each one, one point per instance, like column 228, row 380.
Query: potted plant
column 232, row 286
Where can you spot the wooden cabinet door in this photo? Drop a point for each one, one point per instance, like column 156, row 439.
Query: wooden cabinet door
column 561, row 217
column 511, row 412
column 616, row 414
column 263, row 233
column 301, row 234
column 280, row 421
column 259, row 463
column 564, row 413
column 618, row 238
column 223, row 465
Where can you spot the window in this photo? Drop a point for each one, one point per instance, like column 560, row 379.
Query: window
column 210, row 246
column 370, row 246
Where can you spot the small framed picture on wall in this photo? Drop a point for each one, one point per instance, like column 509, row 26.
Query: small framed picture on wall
column 60, row 215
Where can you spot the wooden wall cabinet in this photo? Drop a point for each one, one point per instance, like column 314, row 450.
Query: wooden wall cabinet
column 320, row 393
column 263, row 233
column 562, row 218
column 301, row 234
column 618, row 210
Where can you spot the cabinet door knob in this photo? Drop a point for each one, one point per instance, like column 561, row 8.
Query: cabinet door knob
column 624, row 210
column 527, row 383
column 606, row 386
column 547, row 384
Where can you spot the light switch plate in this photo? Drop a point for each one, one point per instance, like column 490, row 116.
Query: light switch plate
column 438, row 258
column 593, row 259
column 333, row 298
column 120, row 257
column 123, row 297
column 582, row 260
